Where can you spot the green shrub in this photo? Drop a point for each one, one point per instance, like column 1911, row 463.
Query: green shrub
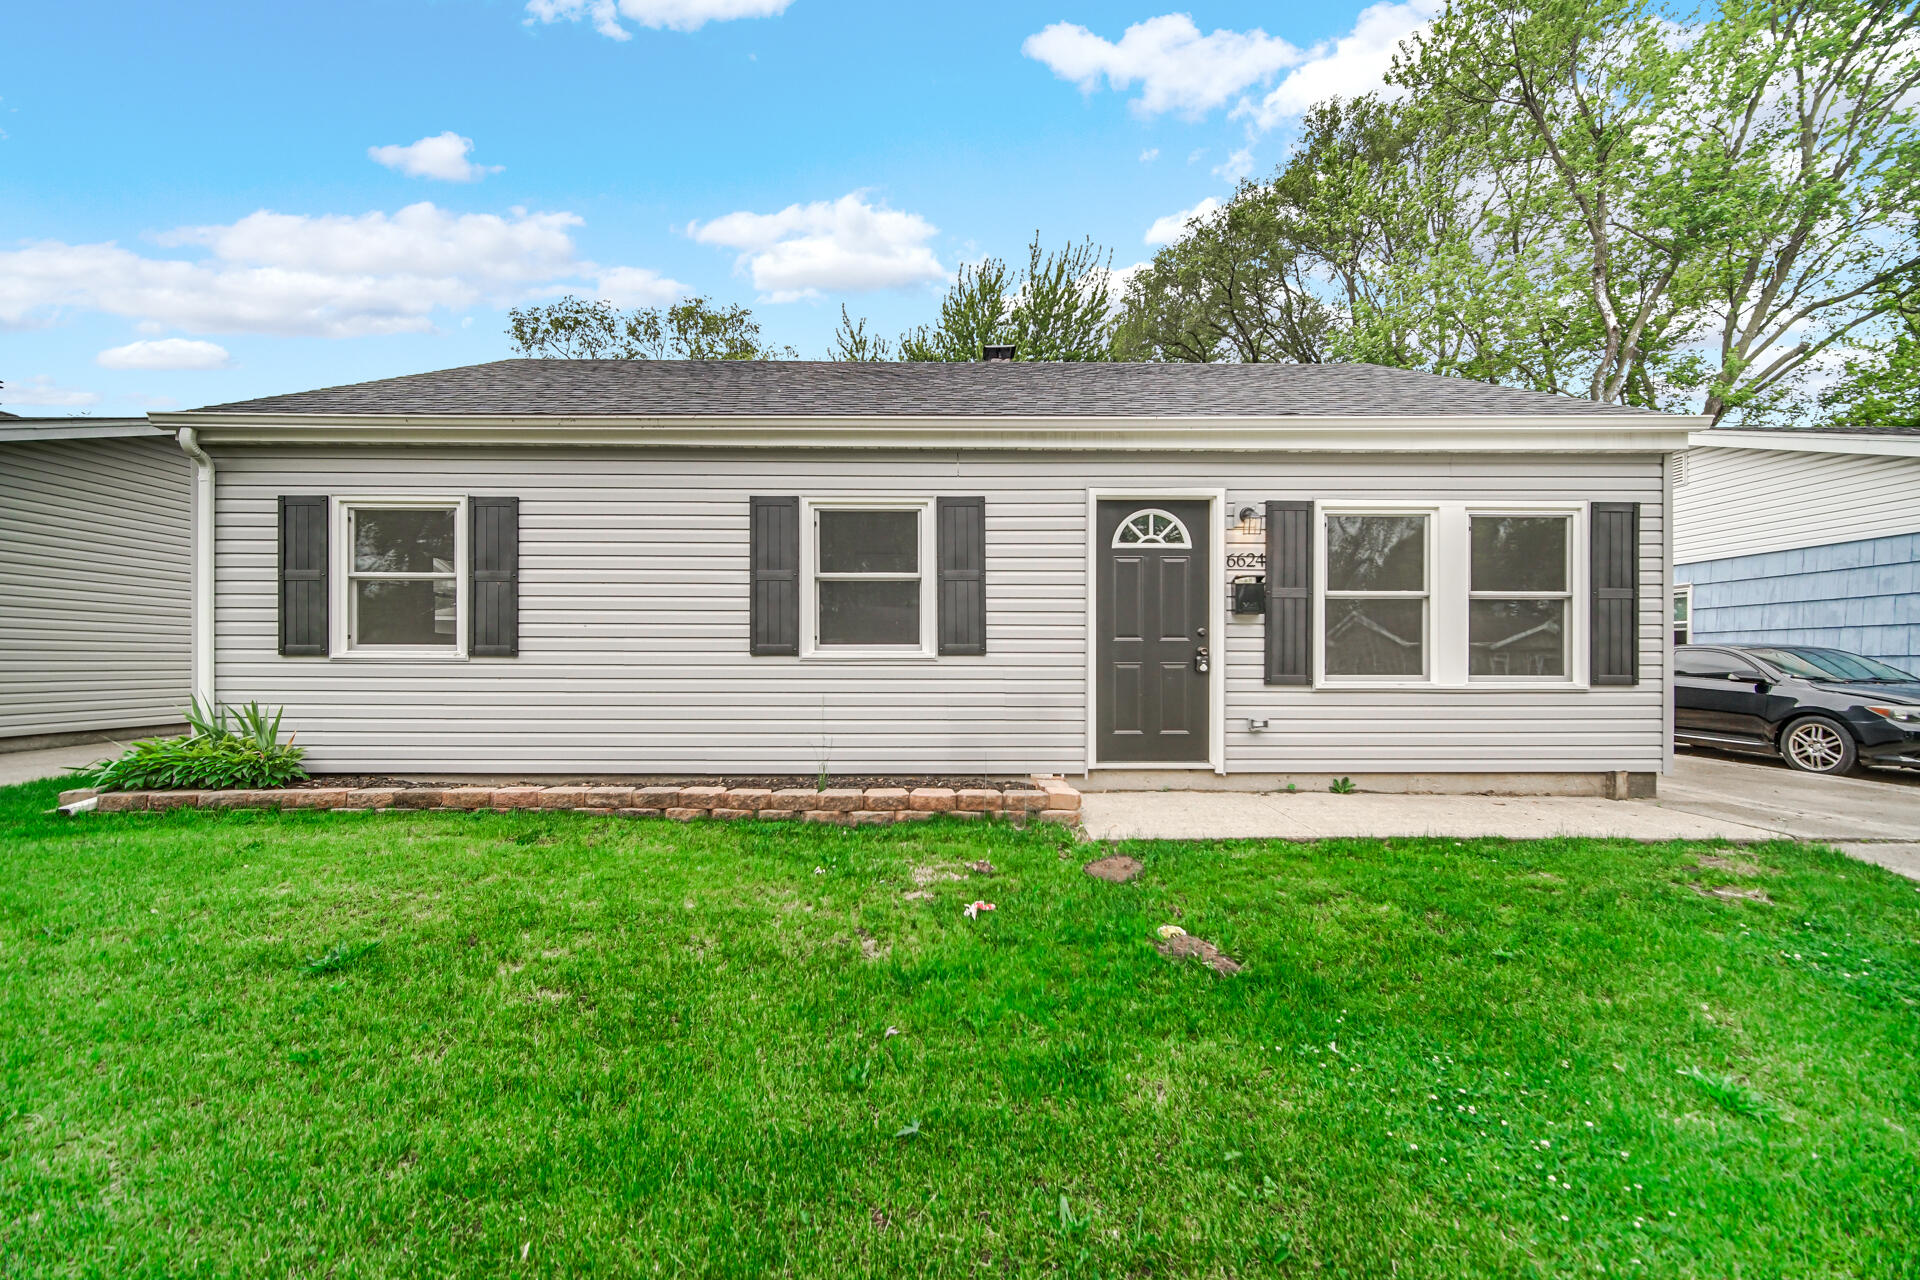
column 228, row 748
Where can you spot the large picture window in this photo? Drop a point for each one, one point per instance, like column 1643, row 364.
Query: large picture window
column 869, row 577
column 1375, row 619
column 403, row 576
column 1520, row 596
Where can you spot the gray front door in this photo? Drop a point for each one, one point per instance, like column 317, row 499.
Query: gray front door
column 1150, row 702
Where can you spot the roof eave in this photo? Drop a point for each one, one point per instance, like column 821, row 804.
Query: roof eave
column 1582, row 433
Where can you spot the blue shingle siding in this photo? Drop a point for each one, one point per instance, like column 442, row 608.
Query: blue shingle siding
column 1863, row 596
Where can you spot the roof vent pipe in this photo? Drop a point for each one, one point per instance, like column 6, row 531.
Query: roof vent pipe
column 997, row 351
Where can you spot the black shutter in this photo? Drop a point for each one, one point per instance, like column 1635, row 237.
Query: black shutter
column 1289, row 593
column 961, row 531
column 493, row 577
column 773, row 531
column 1614, row 547
column 303, row 577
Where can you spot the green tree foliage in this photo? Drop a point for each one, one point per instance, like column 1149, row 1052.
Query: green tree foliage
column 1059, row 308
column 1879, row 386
column 852, row 341
column 1600, row 198
column 579, row 329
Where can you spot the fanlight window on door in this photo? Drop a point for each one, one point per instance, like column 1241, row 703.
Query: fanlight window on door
column 1151, row 528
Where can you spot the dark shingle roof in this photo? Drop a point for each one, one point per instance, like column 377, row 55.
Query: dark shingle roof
column 752, row 388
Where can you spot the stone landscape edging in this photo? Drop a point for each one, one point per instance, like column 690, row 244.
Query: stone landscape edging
column 1049, row 799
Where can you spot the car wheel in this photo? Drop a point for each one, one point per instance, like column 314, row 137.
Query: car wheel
column 1815, row 744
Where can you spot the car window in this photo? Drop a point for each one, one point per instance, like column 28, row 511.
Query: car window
column 1855, row 666
column 1714, row 662
column 1796, row 664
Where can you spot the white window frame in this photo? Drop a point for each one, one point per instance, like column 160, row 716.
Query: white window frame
column 810, row 646
column 1574, row 649
column 342, row 577
column 1429, row 594
column 1449, row 588
column 1682, row 591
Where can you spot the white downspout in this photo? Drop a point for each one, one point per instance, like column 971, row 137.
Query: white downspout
column 203, row 690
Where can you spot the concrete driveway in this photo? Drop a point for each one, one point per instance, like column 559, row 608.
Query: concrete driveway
column 1709, row 797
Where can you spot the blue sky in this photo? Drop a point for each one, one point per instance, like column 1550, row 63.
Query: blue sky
column 204, row 202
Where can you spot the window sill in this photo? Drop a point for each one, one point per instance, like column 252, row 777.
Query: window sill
column 396, row 655
column 862, row 656
column 1482, row 685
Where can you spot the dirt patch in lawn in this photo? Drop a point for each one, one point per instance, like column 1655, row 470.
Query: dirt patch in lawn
column 1117, row 869
column 1182, row 946
column 1732, row 866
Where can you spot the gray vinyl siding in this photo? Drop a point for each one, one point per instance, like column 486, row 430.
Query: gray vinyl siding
column 634, row 622
column 1740, row 502
column 95, row 572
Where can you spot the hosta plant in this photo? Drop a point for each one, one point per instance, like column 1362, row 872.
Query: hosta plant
column 229, row 747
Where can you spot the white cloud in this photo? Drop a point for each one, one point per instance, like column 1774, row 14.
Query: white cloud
column 637, row 287
column 840, row 245
column 443, row 156
column 1176, row 67
column 334, row 276
column 1236, row 166
column 1149, row 155
column 167, row 353
column 41, row 393
column 1170, row 228
column 1354, row 64
column 673, row 15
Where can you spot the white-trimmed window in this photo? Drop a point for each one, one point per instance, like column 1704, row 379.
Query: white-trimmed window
column 1520, row 596
column 1451, row 594
column 1152, row 528
column 1683, row 613
column 1375, row 617
column 867, row 575
column 402, row 576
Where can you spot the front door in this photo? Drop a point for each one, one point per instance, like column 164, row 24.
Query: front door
column 1152, row 657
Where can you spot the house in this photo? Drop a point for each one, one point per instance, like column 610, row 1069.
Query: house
column 1800, row 537
column 95, row 553
column 1156, row 574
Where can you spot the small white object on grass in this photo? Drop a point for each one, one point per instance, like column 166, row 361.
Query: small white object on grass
column 1171, row 931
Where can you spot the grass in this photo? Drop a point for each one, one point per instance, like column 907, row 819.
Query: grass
column 555, row 1044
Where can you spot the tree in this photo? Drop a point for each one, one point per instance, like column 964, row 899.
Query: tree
column 1879, row 387
column 852, row 342
column 1737, row 192
column 696, row 329
column 1060, row 308
column 1235, row 287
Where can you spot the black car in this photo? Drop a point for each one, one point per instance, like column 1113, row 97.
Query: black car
column 1821, row 710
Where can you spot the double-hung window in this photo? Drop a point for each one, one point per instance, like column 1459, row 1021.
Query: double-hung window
column 1520, row 596
column 869, row 584
column 405, row 566
column 1375, row 620
column 1683, row 613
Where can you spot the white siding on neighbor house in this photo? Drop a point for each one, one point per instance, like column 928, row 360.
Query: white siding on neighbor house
column 633, row 622
column 1739, row 502
column 95, row 573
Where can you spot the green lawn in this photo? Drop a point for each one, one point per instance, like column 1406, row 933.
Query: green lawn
column 556, row 1044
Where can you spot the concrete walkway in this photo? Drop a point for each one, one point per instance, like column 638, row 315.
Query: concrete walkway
column 50, row 762
column 1872, row 817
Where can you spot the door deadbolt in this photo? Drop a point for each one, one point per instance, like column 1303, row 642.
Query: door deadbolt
column 1200, row 661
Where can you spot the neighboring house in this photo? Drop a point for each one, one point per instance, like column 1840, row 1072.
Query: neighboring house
column 95, row 557
column 1800, row 537
column 607, row 567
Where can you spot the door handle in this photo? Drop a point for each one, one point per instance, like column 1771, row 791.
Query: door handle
column 1200, row 660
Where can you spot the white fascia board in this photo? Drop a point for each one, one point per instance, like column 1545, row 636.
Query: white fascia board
column 81, row 429
column 1808, row 442
column 1586, row 433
